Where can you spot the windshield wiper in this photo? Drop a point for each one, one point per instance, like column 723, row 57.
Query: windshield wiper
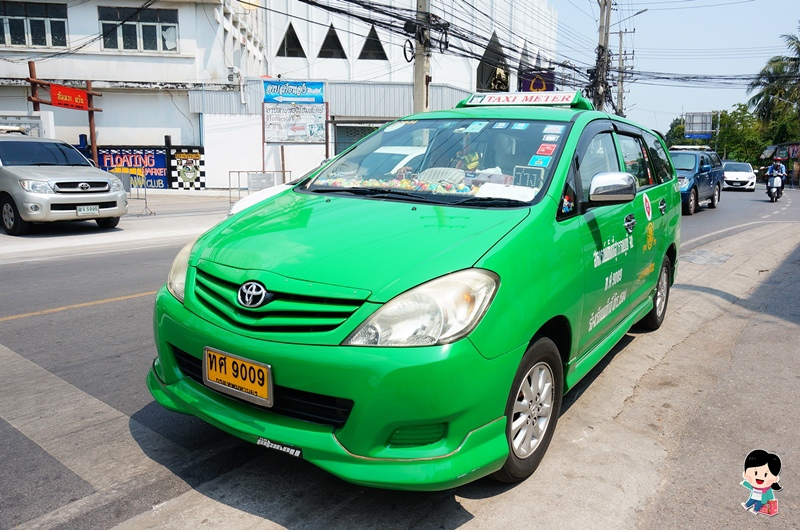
column 491, row 201
column 381, row 193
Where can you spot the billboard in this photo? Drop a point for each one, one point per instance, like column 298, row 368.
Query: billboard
column 294, row 123
column 294, row 112
column 541, row 81
column 697, row 125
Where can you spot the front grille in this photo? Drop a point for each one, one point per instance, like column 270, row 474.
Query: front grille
column 73, row 206
column 286, row 313
column 100, row 186
column 298, row 404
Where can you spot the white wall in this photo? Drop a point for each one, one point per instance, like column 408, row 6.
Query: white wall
column 233, row 143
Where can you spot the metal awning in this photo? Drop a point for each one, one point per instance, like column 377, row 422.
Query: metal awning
column 768, row 151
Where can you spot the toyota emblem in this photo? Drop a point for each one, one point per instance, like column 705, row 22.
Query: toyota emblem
column 253, row 294
column 84, row 186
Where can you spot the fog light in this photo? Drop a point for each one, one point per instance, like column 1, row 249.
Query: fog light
column 34, row 207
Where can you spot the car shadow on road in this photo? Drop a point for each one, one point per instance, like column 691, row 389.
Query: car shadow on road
column 282, row 489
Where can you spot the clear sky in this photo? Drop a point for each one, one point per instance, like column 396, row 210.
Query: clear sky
column 677, row 39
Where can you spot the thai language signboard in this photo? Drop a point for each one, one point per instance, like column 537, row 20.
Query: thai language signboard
column 293, row 123
column 71, row 98
column 294, row 112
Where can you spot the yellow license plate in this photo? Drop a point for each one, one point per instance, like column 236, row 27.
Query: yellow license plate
column 238, row 377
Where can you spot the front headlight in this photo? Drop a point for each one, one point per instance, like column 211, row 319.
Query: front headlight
column 36, row 186
column 116, row 184
column 176, row 281
column 438, row 312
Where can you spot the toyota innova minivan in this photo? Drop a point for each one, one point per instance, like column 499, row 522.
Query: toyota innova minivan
column 417, row 328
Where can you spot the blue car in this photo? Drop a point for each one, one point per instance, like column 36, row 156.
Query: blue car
column 700, row 176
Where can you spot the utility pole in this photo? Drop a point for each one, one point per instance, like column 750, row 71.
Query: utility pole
column 621, row 67
column 601, row 70
column 422, row 57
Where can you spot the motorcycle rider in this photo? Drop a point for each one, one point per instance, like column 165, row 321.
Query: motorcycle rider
column 778, row 169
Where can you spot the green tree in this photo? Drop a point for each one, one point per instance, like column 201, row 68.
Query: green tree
column 741, row 135
column 777, row 86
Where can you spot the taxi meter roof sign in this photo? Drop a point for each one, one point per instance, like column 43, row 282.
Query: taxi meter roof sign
column 571, row 99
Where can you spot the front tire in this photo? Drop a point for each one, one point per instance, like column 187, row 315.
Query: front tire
column 715, row 198
column 655, row 317
column 532, row 410
column 13, row 224
column 107, row 223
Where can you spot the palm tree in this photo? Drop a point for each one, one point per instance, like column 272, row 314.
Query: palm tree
column 778, row 83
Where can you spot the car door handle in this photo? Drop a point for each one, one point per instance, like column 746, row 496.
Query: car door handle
column 630, row 222
column 662, row 205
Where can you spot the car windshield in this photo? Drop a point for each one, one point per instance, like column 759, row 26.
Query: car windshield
column 737, row 166
column 27, row 153
column 685, row 161
column 473, row 162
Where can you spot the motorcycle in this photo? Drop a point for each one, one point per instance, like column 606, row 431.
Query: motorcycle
column 774, row 185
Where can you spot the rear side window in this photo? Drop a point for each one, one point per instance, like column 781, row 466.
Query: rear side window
column 658, row 158
column 634, row 157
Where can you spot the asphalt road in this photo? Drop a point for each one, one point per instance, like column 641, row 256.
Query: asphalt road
column 654, row 437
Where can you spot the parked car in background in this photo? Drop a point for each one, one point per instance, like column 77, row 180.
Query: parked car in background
column 738, row 176
column 700, row 177
column 43, row 180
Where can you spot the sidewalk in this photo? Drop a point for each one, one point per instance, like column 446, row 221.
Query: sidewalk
column 167, row 217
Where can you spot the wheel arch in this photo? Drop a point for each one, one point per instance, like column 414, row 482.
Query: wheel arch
column 672, row 254
column 559, row 330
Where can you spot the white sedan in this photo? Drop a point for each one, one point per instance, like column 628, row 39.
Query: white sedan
column 738, row 175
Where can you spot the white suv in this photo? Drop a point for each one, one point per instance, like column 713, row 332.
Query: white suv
column 44, row 180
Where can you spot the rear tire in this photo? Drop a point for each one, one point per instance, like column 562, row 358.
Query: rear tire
column 715, row 198
column 107, row 223
column 655, row 317
column 532, row 410
column 13, row 224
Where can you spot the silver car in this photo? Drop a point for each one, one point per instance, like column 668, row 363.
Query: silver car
column 44, row 180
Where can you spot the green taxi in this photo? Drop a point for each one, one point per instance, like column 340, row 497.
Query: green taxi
column 417, row 328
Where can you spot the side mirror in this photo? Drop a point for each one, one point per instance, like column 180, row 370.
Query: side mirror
column 705, row 168
column 612, row 188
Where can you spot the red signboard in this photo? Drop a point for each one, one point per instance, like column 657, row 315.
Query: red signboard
column 71, row 98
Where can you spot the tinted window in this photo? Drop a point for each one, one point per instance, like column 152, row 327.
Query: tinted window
column 658, row 158
column 634, row 157
column 737, row 166
column 40, row 153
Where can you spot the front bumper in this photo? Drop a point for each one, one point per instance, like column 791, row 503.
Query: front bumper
column 41, row 208
column 426, row 418
column 731, row 184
